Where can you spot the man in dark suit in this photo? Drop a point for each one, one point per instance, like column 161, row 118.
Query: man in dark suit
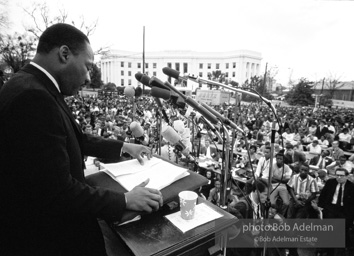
column 293, row 158
column 321, row 129
column 337, row 200
column 46, row 206
column 209, row 151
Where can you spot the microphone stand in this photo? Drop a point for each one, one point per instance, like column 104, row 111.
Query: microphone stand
column 225, row 167
column 158, row 127
column 271, row 106
column 193, row 149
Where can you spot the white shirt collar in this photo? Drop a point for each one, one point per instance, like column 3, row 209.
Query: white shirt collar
column 47, row 73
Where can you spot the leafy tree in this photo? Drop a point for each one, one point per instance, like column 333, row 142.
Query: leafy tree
column 17, row 50
column 110, row 86
column 233, row 83
column 301, row 94
column 326, row 100
column 255, row 83
column 216, row 76
column 43, row 18
column 96, row 77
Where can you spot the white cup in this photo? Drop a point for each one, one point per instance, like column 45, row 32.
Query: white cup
column 187, row 202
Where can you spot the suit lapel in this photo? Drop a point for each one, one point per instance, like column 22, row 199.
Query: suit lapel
column 48, row 84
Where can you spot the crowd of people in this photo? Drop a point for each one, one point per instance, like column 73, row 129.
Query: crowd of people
column 311, row 149
column 48, row 130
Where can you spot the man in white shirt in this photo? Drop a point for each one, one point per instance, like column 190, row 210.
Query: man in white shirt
column 314, row 148
column 281, row 176
column 341, row 163
column 262, row 170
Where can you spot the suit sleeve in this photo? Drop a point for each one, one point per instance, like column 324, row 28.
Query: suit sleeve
column 39, row 178
column 322, row 199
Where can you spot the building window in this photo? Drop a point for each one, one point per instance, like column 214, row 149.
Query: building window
column 129, row 73
column 129, row 82
column 185, row 67
column 169, row 64
column 209, row 65
column 177, row 66
column 233, row 64
column 227, row 74
column 122, row 72
column 200, row 74
column 139, row 65
column 154, row 73
column 122, row 64
column 129, row 64
column 200, row 65
column 233, row 74
column 227, row 65
column 217, row 66
column 154, row 65
column 146, row 65
column 122, row 82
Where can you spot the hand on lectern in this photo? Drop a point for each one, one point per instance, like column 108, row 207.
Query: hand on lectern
column 137, row 151
column 145, row 199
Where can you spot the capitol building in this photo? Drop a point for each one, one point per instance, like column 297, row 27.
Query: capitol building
column 120, row 67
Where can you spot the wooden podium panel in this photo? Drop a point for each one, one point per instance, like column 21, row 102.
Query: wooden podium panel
column 156, row 235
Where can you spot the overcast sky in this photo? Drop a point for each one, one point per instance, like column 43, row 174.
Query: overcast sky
column 312, row 39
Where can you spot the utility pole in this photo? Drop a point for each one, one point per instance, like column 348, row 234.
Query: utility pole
column 264, row 80
column 143, row 56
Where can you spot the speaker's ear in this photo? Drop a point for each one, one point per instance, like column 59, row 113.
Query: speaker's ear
column 64, row 52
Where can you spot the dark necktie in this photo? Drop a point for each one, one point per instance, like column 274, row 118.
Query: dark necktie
column 339, row 198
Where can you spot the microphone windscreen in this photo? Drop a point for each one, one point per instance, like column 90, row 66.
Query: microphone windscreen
column 138, row 76
column 154, row 81
column 179, row 126
column 171, row 72
column 145, row 80
column 138, row 92
column 160, row 93
column 170, row 134
column 129, row 91
column 136, row 129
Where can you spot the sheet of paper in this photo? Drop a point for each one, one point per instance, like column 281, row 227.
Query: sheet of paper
column 130, row 166
column 203, row 214
column 160, row 173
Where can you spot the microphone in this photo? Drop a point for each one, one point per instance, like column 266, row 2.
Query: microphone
column 129, row 91
column 173, row 138
column 138, row 76
column 138, row 92
column 211, row 127
column 160, row 93
column 137, row 130
column 142, row 78
column 190, row 101
column 223, row 119
column 203, row 111
column 173, row 73
column 155, row 82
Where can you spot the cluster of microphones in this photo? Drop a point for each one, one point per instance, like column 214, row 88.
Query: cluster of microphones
column 185, row 104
